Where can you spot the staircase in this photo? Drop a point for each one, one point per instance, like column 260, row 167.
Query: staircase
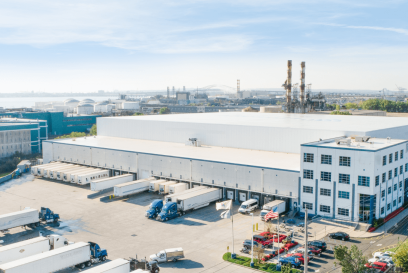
column 362, row 227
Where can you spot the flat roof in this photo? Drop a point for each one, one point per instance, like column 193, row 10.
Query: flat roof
column 253, row 158
column 373, row 144
column 281, row 120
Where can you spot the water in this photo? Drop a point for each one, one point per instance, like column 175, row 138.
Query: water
column 30, row 102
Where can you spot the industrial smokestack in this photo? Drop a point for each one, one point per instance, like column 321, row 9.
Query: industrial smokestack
column 238, row 88
column 289, row 85
column 168, row 92
column 302, row 82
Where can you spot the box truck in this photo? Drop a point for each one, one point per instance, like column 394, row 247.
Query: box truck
column 132, row 187
column 86, row 178
column 155, row 185
column 179, row 187
column 192, row 201
column 30, row 247
column 80, row 255
column 279, row 204
column 165, row 187
column 110, row 182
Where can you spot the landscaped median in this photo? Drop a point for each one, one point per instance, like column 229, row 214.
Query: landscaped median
column 245, row 261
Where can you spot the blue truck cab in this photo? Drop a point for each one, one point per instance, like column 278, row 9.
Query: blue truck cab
column 97, row 253
column 169, row 211
column 48, row 215
column 154, row 208
column 292, row 261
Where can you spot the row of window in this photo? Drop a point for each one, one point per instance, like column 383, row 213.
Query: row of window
column 343, row 178
column 327, row 159
column 394, row 204
column 390, row 156
column 326, row 209
column 327, row 192
column 389, row 190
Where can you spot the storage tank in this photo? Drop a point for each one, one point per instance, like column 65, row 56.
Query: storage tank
column 85, row 109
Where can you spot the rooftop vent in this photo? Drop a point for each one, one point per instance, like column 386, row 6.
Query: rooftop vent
column 343, row 141
column 362, row 138
column 193, row 142
column 388, row 139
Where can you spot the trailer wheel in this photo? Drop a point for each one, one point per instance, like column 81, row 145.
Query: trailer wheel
column 88, row 264
column 82, row 266
column 103, row 258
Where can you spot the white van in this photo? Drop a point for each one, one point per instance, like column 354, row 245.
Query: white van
column 249, row 206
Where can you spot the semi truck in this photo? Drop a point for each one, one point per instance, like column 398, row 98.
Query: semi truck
column 80, row 255
column 155, row 185
column 132, row 187
column 154, row 208
column 26, row 218
column 178, row 188
column 189, row 202
column 31, row 247
column 164, row 188
column 167, row 255
column 67, row 176
column 86, row 178
column 110, row 182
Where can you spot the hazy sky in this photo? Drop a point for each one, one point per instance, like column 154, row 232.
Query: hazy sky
column 88, row 45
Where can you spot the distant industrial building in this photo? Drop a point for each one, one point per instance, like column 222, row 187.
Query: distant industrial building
column 19, row 137
column 325, row 163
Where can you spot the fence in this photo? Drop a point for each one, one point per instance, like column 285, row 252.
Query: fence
column 6, row 178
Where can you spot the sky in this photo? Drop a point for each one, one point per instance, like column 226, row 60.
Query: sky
column 90, row 45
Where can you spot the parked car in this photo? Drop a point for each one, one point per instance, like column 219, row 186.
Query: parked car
column 340, row 236
column 315, row 250
column 299, row 256
column 319, row 244
column 294, row 262
column 377, row 265
column 265, row 241
column 381, row 255
column 248, row 244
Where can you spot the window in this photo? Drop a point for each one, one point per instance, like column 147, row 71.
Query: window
column 326, row 159
column 395, row 187
column 308, row 174
column 344, row 212
column 383, row 193
column 389, row 175
column 382, row 210
column 307, row 189
column 399, row 199
column 325, row 176
column 307, row 205
column 344, row 178
column 394, row 203
column 344, row 161
column 384, row 160
column 388, row 206
column 308, row 157
column 389, row 190
column 384, row 177
column 325, row 192
column 324, row 208
column 402, row 154
column 395, row 172
column 406, row 167
column 364, row 181
column 377, row 180
column 400, row 184
column 396, row 156
column 344, row 194
column 390, row 158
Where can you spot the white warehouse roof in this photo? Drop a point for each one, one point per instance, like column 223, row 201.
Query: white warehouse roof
column 257, row 131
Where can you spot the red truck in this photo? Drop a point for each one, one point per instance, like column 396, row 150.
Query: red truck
column 265, row 241
column 300, row 257
column 377, row 265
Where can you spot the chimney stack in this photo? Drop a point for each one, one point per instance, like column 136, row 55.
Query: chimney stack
column 302, row 82
column 289, row 86
column 168, row 92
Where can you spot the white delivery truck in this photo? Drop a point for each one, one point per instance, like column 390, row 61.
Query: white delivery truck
column 155, row 185
column 132, row 187
column 277, row 205
column 165, row 187
column 115, row 266
column 51, row 172
column 79, row 254
column 25, row 217
column 171, row 254
column 86, row 178
column 67, row 176
column 30, row 247
column 178, row 188
column 173, row 197
column 110, row 182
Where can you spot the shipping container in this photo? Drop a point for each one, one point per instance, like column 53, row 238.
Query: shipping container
column 20, row 218
column 165, row 187
column 115, row 266
column 132, row 187
column 110, row 182
column 155, row 185
column 178, row 188
column 86, row 178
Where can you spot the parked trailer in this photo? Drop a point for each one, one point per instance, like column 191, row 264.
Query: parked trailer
column 165, row 187
column 44, row 170
column 51, row 172
column 34, row 168
column 279, row 205
column 40, row 169
column 78, row 254
column 155, row 185
column 132, row 187
column 66, row 176
column 192, row 201
column 73, row 177
column 110, row 182
column 178, row 188
column 115, row 266
column 26, row 217
column 87, row 178
column 30, row 247
column 59, row 173
column 173, row 197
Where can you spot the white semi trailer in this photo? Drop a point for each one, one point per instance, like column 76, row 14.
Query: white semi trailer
column 175, row 196
column 59, row 173
column 115, row 266
column 165, row 187
column 73, row 176
column 66, row 176
column 31, row 247
column 155, row 185
column 79, row 254
column 178, row 188
column 40, row 169
column 110, row 182
column 23, row 218
column 132, row 187
column 46, row 169
column 51, row 172
column 86, row 178
column 34, row 168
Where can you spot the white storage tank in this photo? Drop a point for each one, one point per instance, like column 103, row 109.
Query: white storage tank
column 85, row 109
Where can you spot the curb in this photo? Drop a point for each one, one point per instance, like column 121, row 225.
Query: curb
column 246, row 267
column 369, row 237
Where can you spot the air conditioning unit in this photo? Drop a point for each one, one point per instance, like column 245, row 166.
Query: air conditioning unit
column 343, row 141
column 362, row 138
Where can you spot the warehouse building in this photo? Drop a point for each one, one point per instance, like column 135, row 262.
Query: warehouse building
column 250, row 155
column 19, row 137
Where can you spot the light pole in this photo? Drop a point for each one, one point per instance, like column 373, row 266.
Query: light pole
column 252, row 242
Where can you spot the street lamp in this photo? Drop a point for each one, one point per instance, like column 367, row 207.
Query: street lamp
column 252, row 242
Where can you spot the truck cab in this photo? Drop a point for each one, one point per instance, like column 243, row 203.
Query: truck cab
column 48, row 215
column 97, row 253
column 169, row 211
column 154, row 208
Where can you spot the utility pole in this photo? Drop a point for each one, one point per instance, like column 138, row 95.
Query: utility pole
column 306, row 246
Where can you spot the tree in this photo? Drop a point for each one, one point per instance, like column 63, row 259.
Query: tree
column 259, row 252
column 286, row 268
column 350, row 105
column 352, row 260
column 401, row 257
column 337, row 107
column 164, row 110
column 138, row 114
column 340, row 113
column 93, row 130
